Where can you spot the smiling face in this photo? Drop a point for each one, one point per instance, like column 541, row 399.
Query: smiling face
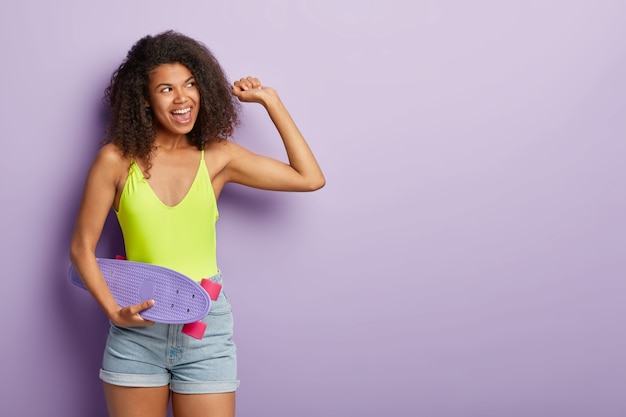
column 173, row 98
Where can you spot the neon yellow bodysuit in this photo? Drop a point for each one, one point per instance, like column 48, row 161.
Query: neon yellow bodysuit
column 181, row 237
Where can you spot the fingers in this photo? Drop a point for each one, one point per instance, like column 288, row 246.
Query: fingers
column 247, row 83
column 129, row 316
column 250, row 90
column 136, row 309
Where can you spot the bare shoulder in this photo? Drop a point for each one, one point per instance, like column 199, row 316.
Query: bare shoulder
column 229, row 150
column 220, row 146
column 111, row 154
column 220, row 152
column 219, row 156
column 111, row 162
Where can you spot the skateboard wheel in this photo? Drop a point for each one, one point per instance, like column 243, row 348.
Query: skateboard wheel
column 213, row 288
column 195, row 329
column 120, row 257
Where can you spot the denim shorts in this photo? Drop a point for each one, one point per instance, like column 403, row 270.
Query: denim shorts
column 160, row 355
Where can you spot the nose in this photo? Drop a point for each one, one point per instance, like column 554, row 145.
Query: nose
column 181, row 96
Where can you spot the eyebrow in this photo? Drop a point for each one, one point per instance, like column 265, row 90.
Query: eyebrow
column 169, row 84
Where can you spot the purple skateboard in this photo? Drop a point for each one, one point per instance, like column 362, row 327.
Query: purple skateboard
column 177, row 298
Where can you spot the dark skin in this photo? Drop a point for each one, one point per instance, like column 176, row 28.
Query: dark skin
column 174, row 100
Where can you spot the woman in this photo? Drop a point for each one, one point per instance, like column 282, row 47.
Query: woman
column 165, row 161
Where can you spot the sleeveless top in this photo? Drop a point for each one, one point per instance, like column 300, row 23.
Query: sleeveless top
column 180, row 237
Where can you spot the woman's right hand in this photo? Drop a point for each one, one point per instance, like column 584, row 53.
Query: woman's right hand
column 129, row 316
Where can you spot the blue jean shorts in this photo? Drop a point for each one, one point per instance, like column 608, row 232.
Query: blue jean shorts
column 160, row 355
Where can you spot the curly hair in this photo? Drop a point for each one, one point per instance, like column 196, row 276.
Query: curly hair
column 131, row 124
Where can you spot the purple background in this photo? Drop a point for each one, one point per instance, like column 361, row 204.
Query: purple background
column 464, row 259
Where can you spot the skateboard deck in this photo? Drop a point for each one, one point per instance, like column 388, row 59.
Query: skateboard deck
column 177, row 298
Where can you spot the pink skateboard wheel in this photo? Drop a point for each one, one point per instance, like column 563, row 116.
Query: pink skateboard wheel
column 195, row 329
column 212, row 288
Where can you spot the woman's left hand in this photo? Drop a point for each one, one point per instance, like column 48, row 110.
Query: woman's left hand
column 302, row 173
column 250, row 90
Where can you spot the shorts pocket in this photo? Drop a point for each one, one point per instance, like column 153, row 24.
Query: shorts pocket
column 221, row 305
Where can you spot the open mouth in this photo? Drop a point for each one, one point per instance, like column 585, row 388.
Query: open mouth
column 182, row 115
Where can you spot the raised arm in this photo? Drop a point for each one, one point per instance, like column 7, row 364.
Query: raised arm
column 302, row 173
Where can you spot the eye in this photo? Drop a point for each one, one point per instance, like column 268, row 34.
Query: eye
column 166, row 89
column 192, row 84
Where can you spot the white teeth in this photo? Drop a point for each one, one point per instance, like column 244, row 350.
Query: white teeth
column 182, row 111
